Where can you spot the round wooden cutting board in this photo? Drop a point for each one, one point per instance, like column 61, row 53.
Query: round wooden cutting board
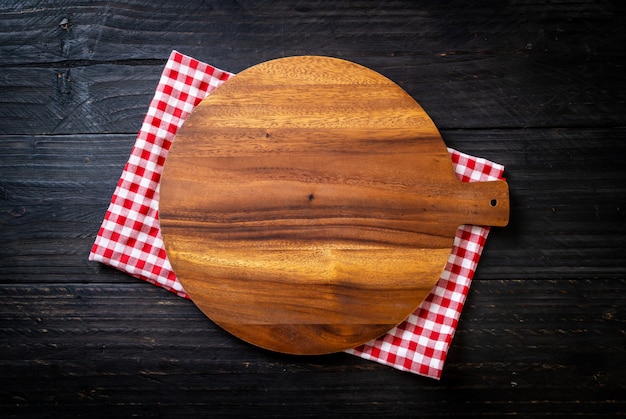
column 309, row 205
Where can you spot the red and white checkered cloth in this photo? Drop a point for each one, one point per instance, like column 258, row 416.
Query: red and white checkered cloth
column 130, row 238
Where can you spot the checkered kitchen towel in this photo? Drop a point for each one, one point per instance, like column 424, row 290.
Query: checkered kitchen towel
column 130, row 239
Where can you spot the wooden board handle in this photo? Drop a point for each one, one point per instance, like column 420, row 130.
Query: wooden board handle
column 485, row 203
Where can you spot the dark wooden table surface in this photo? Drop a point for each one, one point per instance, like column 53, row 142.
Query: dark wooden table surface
column 539, row 86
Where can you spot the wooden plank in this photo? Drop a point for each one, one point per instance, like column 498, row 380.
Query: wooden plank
column 513, row 92
column 135, row 348
column 538, row 65
column 31, row 32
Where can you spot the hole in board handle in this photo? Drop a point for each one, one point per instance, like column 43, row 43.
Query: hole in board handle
column 493, row 202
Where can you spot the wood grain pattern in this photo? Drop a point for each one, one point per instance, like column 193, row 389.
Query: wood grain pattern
column 517, row 71
column 309, row 205
column 537, row 86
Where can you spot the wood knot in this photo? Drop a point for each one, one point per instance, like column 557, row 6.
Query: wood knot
column 18, row 212
column 65, row 24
